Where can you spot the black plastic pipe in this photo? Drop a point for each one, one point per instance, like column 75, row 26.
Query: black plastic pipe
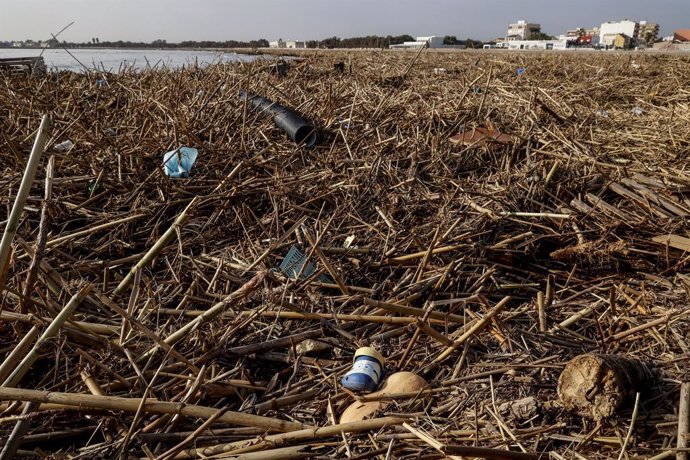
column 297, row 128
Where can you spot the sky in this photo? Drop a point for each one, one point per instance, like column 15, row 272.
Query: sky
column 220, row 20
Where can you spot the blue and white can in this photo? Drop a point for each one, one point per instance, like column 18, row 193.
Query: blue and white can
column 366, row 372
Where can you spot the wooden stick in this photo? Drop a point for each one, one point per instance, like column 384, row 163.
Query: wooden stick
column 116, row 403
column 512, row 239
column 22, row 195
column 547, row 215
column 683, row 421
column 433, row 333
column 282, row 342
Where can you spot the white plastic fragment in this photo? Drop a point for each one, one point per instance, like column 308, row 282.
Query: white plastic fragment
column 63, row 146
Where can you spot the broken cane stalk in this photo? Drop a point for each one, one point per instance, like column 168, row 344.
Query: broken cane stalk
column 476, row 328
column 246, row 289
column 155, row 249
column 116, row 403
column 50, row 332
column 683, row 421
column 22, row 195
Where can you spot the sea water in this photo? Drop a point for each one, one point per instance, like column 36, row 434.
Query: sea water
column 113, row 60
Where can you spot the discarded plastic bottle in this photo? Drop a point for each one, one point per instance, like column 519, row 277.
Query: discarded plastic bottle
column 366, row 371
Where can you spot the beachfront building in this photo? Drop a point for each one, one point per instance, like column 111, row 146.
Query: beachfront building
column 295, row 44
column 648, row 32
column 431, row 41
column 593, row 31
column 681, row 36
column 609, row 31
column 533, row 44
column 679, row 41
column 280, row 43
column 588, row 40
column 621, row 41
column 522, row 30
column 581, row 37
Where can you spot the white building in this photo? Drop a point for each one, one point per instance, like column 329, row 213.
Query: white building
column 280, row 43
column 533, row 44
column 609, row 30
column 432, row 41
column 295, row 44
column 522, row 30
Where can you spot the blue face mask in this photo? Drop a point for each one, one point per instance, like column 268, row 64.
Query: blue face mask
column 179, row 162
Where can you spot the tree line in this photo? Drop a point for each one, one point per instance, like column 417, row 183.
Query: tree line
column 369, row 41
column 159, row 43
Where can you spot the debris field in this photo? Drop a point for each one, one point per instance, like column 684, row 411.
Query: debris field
column 476, row 227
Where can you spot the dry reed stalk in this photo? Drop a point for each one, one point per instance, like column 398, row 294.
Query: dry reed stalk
column 17, row 354
column 53, row 328
column 152, row 253
column 154, row 407
column 683, row 421
column 42, row 230
column 477, row 327
column 22, row 194
column 269, row 441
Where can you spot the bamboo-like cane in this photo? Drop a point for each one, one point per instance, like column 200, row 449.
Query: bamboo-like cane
column 18, row 353
column 281, row 453
column 86, row 401
column 22, row 195
column 267, row 442
column 246, row 289
column 156, row 249
column 50, row 332
column 42, row 235
column 478, row 326
column 683, row 421
column 10, row 450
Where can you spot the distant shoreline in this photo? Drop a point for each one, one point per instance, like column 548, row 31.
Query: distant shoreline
column 304, row 52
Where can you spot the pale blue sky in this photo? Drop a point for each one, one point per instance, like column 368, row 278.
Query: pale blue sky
column 176, row 20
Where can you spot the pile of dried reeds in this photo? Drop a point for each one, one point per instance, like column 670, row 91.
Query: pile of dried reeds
column 483, row 268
